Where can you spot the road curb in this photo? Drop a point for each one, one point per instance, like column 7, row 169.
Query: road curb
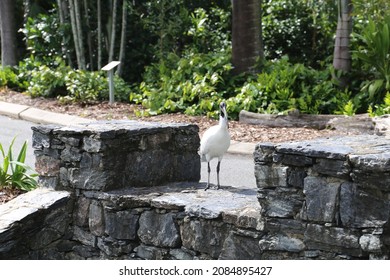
column 31, row 114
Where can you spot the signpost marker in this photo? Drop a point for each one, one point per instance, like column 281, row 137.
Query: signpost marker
column 110, row 71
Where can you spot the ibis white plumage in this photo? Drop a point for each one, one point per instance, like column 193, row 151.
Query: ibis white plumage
column 215, row 142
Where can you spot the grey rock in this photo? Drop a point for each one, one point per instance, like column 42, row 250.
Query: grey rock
column 360, row 209
column 281, row 242
column 333, row 239
column 322, row 199
column 271, row 176
column 371, row 180
column 296, row 177
column 47, row 166
column 321, row 148
column 282, row 204
column 264, row 153
column 204, row 236
column 333, row 167
column 114, row 248
column 159, row 230
column 297, row 160
column 81, row 216
column 238, row 247
column 121, row 224
column 96, row 219
column 373, row 162
column 371, row 243
column 70, row 154
column 92, row 144
column 84, row 237
column 180, row 254
column 151, row 253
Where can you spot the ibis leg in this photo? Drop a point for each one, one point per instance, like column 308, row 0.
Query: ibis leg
column 208, row 175
column 218, row 168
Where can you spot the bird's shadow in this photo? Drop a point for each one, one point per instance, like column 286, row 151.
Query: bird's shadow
column 241, row 190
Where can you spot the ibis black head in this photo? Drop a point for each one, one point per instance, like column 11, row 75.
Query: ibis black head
column 222, row 107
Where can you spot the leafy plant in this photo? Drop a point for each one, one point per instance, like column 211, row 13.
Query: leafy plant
column 375, row 55
column 44, row 37
column 84, row 85
column 14, row 173
column 8, row 77
column 381, row 109
column 194, row 83
column 42, row 80
column 300, row 29
column 283, row 86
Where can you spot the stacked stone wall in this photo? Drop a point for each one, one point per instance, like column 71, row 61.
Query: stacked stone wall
column 326, row 198
column 129, row 190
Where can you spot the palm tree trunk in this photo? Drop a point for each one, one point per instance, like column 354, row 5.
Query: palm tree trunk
column 62, row 12
column 8, row 33
column 89, row 36
column 113, row 31
column 246, row 35
column 342, row 56
column 99, row 33
column 123, row 38
column 80, row 34
column 74, row 32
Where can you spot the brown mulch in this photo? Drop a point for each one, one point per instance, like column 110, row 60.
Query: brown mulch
column 7, row 194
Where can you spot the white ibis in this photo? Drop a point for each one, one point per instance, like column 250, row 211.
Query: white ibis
column 215, row 142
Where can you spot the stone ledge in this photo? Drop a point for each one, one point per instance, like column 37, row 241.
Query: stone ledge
column 32, row 222
column 337, row 188
column 232, row 205
column 116, row 154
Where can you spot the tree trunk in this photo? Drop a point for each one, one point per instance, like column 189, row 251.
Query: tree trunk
column 8, row 33
column 99, row 33
column 246, row 35
column 74, row 32
column 89, row 36
column 123, row 38
column 62, row 13
column 113, row 31
column 80, row 34
column 342, row 56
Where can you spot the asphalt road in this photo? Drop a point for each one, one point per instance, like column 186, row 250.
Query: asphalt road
column 10, row 128
column 236, row 170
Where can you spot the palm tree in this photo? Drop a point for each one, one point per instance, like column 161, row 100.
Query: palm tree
column 246, row 35
column 8, row 33
column 342, row 56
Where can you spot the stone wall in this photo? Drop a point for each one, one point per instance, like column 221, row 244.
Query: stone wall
column 114, row 215
column 129, row 190
column 36, row 225
column 112, row 155
column 327, row 198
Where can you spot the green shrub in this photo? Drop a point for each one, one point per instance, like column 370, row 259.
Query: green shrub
column 41, row 80
column 44, row 37
column 381, row 109
column 194, row 83
column 8, row 78
column 59, row 80
column 13, row 172
column 283, row 86
column 374, row 53
column 84, row 85
column 302, row 30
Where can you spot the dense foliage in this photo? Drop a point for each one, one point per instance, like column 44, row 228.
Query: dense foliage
column 178, row 58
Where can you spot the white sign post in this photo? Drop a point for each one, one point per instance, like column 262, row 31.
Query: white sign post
column 110, row 71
